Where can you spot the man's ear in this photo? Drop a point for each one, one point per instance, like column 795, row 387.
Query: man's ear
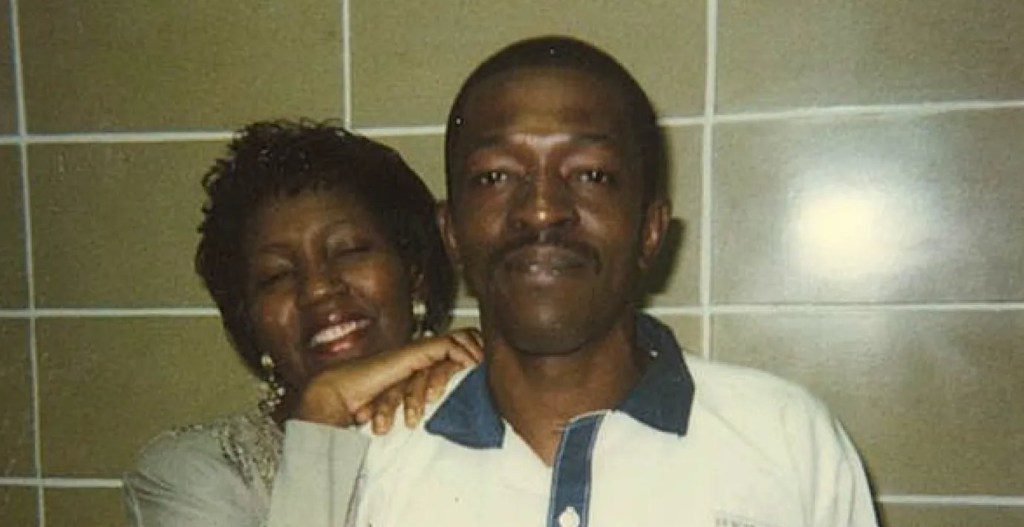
column 656, row 220
column 446, row 225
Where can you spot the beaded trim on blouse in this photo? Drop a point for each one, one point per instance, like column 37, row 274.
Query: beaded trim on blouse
column 250, row 442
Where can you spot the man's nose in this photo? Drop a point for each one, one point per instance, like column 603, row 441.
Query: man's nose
column 544, row 201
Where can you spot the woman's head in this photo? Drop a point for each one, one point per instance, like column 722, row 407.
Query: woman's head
column 314, row 244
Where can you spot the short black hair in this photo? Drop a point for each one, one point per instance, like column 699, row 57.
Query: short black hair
column 282, row 158
column 567, row 52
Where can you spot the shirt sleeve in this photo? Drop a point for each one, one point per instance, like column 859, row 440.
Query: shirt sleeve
column 316, row 480
column 184, row 481
column 834, row 482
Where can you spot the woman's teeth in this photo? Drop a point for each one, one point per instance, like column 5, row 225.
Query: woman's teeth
column 338, row 331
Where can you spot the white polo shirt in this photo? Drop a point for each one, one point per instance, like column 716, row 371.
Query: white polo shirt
column 694, row 444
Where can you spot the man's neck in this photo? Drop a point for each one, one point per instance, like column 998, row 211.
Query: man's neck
column 538, row 395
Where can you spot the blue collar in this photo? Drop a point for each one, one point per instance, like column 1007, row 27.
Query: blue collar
column 661, row 399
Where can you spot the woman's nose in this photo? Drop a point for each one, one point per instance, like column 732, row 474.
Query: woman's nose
column 318, row 283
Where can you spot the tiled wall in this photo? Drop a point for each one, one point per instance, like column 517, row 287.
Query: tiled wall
column 850, row 176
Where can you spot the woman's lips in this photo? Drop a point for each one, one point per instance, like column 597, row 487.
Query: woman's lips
column 339, row 340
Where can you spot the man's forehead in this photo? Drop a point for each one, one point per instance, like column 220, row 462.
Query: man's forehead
column 549, row 102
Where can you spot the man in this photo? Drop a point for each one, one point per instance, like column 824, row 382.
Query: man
column 585, row 413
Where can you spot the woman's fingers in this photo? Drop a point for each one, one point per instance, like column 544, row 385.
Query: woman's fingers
column 363, row 414
column 384, row 407
column 469, row 341
column 415, row 398
column 437, row 378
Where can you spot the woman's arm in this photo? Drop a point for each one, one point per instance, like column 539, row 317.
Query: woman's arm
column 323, row 452
column 183, row 480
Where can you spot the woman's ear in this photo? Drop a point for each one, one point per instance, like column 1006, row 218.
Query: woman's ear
column 417, row 283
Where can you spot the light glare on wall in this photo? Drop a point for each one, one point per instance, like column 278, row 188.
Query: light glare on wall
column 845, row 233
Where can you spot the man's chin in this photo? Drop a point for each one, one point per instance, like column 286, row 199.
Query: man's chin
column 546, row 336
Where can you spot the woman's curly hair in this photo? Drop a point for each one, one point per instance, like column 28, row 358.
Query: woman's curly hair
column 282, row 158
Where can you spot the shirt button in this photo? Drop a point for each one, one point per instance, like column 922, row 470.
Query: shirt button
column 569, row 518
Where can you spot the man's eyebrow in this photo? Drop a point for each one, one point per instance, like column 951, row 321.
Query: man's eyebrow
column 498, row 139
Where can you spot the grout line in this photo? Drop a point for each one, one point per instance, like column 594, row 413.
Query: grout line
column 706, row 171
column 716, row 309
column 868, row 109
column 678, row 122
column 422, row 130
column 62, row 483
column 129, row 137
column 470, row 312
column 346, row 65
column 675, row 310
column 732, row 309
column 976, row 500
column 26, row 205
column 110, row 312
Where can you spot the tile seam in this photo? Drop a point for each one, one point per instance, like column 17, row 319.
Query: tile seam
column 707, row 167
column 23, row 133
column 26, row 204
column 346, row 64
column 438, row 129
column 680, row 309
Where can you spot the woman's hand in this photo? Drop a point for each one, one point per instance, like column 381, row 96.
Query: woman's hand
column 355, row 391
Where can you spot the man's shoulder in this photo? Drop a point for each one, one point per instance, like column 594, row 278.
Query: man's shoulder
column 743, row 393
column 401, row 440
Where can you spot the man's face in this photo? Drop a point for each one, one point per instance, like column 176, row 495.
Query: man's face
column 546, row 213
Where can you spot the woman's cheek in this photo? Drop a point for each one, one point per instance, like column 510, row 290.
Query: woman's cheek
column 277, row 332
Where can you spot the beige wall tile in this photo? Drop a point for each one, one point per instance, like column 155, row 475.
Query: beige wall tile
column 950, row 516
column 410, row 58
column 15, row 400
column 870, row 209
column 13, row 285
column 115, row 224
column 425, row 154
column 120, row 381
column 126, row 65
column 687, row 329
column 8, row 102
column 18, row 506
column 798, row 53
column 84, row 507
column 930, row 398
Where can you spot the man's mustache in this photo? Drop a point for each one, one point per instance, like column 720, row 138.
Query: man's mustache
column 550, row 237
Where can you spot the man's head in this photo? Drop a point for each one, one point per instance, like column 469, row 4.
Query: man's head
column 555, row 174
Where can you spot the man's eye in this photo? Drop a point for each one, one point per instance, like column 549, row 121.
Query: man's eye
column 490, row 177
column 594, row 176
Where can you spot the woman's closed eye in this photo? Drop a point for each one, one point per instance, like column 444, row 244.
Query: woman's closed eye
column 343, row 251
column 269, row 278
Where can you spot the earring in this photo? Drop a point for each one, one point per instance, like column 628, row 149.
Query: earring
column 271, row 391
column 419, row 320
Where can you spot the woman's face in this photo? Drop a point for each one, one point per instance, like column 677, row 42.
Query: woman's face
column 324, row 283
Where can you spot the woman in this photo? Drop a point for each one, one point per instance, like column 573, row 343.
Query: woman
column 320, row 250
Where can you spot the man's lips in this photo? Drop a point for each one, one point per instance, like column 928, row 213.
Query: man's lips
column 545, row 259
